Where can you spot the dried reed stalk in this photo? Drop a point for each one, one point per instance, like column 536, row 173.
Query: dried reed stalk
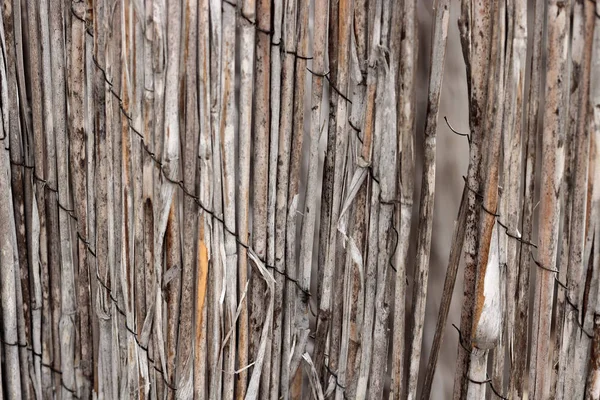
column 280, row 376
column 512, row 122
column 438, row 56
column 272, row 368
column 575, row 346
column 552, row 166
column 406, row 128
column 475, row 25
column 8, row 258
column 260, row 183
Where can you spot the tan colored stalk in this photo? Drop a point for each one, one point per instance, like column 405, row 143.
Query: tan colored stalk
column 190, row 222
column 593, row 389
column 552, row 167
column 172, row 292
column 327, row 224
column 261, row 354
column 295, row 307
column 574, row 342
column 138, row 370
column 560, row 352
column 519, row 364
column 488, row 319
column 370, row 282
column 42, row 336
column 280, row 372
column 312, row 180
column 8, row 245
column 115, row 125
column 217, row 274
column 51, row 197
column 246, row 40
column 341, row 144
column 352, row 219
column 203, row 307
column 387, row 239
column 227, row 137
column 406, row 127
column 117, row 129
column 513, row 117
column 593, row 375
column 78, row 157
column 373, row 353
column 167, row 140
column 458, row 237
column 261, row 124
column 438, row 56
column 21, row 189
column 476, row 29
column 67, row 277
column 148, row 172
column 329, row 164
column 272, row 368
column 588, row 346
column 127, row 192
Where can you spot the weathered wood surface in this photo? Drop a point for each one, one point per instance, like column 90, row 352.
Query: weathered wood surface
column 213, row 199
